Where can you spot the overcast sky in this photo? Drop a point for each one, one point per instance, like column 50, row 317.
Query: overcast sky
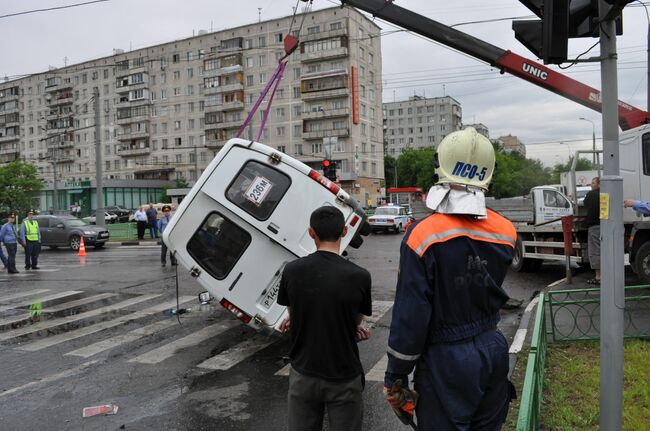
column 411, row 65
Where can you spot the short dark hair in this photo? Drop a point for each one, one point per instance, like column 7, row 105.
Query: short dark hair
column 328, row 223
column 166, row 207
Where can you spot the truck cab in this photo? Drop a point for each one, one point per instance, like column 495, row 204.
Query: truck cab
column 245, row 218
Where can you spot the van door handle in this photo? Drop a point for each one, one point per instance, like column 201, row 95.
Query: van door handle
column 273, row 228
column 235, row 282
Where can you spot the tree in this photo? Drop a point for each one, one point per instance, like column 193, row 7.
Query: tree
column 415, row 168
column 19, row 185
column 581, row 165
column 515, row 175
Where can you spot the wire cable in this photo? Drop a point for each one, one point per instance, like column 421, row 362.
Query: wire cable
column 52, row 8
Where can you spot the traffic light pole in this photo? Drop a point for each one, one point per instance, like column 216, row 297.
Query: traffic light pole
column 612, row 294
column 99, row 166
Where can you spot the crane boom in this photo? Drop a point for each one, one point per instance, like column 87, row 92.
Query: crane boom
column 507, row 61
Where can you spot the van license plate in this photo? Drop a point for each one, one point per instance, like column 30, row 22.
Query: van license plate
column 271, row 295
column 258, row 190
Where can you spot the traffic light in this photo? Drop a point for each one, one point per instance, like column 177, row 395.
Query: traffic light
column 563, row 19
column 547, row 38
column 329, row 169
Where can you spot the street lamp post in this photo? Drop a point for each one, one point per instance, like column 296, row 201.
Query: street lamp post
column 593, row 136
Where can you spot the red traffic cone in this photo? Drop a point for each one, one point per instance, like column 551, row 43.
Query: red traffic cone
column 82, row 248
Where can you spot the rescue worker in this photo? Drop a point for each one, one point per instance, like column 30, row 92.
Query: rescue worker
column 9, row 238
column 30, row 238
column 452, row 265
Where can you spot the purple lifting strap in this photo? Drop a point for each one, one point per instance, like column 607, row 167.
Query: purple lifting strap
column 273, row 82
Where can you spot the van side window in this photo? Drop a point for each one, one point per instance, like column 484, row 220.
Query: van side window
column 257, row 189
column 218, row 245
column 645, row 148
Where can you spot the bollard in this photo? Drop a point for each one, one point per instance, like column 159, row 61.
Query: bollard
column 567, row 230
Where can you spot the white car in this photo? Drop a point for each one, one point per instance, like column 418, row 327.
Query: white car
column 389, row 218
column 581, row 192
column 109, row 218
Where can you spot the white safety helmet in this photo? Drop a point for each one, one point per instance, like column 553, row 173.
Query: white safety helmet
column 465, row 157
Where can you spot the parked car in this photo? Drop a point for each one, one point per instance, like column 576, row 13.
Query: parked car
column 390, row 217
column 121, row 212
column 108, row 218
column 66, row 231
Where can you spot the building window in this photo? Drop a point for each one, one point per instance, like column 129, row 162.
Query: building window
column 336, row 26
column 261, row 41
column 280, row 132
column 177, row 74
column 313, row 30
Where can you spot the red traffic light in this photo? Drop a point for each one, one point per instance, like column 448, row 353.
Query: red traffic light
column 326, row 163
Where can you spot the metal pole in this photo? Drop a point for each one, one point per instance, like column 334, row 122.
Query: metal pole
column 55, row 204
column 648, row 67
column 612, row 296
column 99, row 166
column 196, row 165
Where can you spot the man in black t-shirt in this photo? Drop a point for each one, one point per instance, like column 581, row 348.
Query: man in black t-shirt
column 592, row 222
column 327, row 297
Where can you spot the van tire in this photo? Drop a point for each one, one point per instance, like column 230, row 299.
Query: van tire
column 642, row 263
column 399, row 228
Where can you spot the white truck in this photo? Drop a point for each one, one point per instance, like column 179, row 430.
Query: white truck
column 540, row 238
column 245, row 218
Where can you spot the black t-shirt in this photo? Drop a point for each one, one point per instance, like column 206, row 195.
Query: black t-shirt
column 325, row 294
column 592, row 203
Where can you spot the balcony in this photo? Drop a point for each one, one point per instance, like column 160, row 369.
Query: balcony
column 60, row 144
column 64, row 159
column 320, row 134
column 127, row 136
column 328, row 54
column 58, row 86
column 132, row 87
column 227, row 106
column 325, row 94
column 129, row 120
column 224, row 88
column 327, row 113
column 10, row 150
column 125, row 152
column 63, row 100
column 215, row 144
column 9, row 156
column 126, row 71
column 329, row 34
column 9, row 138
column 135, row 102
column 9, row 110
column 223, row 71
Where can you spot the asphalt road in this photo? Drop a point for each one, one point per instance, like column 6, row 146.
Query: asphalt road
column 103, row 338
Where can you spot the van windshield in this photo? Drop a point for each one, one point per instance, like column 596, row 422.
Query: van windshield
column 218, row 245
column 387, row 211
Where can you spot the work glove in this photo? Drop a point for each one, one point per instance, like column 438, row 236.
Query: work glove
column 402, row 400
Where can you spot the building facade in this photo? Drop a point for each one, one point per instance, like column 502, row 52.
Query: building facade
column 512, row 143
column 480, row 128
column 166, row 110
column 419, row 122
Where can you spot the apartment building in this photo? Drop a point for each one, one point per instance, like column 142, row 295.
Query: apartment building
column 511, row 143
column 166, row 110
column 419, row 122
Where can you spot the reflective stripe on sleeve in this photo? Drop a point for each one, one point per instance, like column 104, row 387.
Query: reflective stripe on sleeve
column 402, row 356
column 461, row 230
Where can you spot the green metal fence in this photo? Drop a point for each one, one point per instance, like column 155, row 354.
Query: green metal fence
column 122, row 231
column 531, row 395
column 573, row 315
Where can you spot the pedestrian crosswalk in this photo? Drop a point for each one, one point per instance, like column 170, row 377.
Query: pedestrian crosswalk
column 86, row 325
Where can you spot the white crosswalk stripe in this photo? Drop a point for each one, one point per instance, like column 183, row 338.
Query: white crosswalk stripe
column 121, row 339
column 10, row 299
column 48, row 324
column 23, row 317
column 91, row 329
column 168, row 350
column 376, row 373
column 237, row 353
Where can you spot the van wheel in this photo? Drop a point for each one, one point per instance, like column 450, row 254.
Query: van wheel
column 642, row 263
column 399, row 228
column 75, row 242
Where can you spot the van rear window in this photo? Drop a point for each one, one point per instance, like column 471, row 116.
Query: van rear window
column 257, row 189
column 218, row 245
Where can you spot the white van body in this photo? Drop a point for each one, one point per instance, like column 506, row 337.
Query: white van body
column 245, row 218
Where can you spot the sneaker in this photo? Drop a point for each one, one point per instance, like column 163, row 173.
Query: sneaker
column 14, row 272
column 36, row 267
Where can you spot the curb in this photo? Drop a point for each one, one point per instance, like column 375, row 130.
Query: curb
column 520, row 335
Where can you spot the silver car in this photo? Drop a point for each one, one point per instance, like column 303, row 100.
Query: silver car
column 67, row 231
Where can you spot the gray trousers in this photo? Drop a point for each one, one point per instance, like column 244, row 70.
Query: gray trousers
column 310, row 396
column 593, row 246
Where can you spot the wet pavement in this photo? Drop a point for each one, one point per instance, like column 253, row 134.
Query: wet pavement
column 105, row 339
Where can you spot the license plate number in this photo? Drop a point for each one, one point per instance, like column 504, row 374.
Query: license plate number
column 271, row 295
column 258, row 190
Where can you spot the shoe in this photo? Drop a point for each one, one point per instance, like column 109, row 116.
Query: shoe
column 36, row 267
column 163, row 264
column 27, row 268
column 14, row 272
column 594, row 281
